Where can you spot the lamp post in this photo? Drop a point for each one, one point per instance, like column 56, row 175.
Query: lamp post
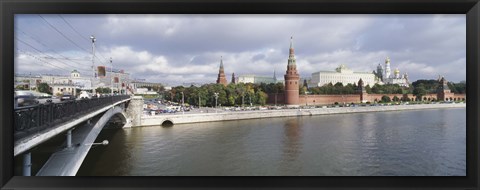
column 276, row 99
column 30, row 82
column 104, row 143
column 243, row 95
column 111, row 75
column 93, row 61
column 216, row 97
column 183, row 104
column 199, row 103
column 250, row 97
column 306, row 98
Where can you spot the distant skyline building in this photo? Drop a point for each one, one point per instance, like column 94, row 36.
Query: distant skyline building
column 291, row 79
column 256, row 79
column 117, row 79
column 221, row 74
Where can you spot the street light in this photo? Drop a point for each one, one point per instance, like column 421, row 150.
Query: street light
column 250, row 97
column 276, row 99
column 183, row 104
column 93, row 61
column 243, row 95
column 111, row 75
column 306, row 98
column 199, row 103
column 104, row 143
column 216, row 97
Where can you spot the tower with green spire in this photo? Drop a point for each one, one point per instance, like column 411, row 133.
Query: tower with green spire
column 291, row 79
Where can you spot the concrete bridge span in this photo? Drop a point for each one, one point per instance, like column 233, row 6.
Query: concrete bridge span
column 68, row 161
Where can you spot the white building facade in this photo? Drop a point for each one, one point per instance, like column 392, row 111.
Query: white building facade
column 255, row 79
column 341, row 74
column 68, row 83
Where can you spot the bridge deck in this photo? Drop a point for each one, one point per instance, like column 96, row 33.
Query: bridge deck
column 24, row 144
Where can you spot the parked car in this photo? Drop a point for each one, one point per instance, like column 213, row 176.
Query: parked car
column 66, row 97
column 25, row 98
column 43, row 97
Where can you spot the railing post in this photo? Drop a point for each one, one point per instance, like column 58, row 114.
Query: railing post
column 37, row 109
column 27, row 164
column 15, row 102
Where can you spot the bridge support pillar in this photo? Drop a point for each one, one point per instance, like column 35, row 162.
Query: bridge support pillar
column 135, row 110
column 69, row 139
column 27, row 164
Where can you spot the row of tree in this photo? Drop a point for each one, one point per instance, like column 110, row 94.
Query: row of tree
column 419, row 88
column 217, row 94
column 244, row 94
column 423, row 87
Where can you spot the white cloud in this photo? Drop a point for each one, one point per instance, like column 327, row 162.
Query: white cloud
column 173, row 48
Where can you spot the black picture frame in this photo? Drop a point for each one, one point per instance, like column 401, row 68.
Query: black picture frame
column 8, row 8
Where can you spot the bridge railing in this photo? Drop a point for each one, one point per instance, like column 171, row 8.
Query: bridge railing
column 32, row 119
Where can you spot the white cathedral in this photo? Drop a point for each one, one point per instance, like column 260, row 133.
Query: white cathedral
column 387, row 78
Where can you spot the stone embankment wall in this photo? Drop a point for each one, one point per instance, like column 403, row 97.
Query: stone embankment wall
column 225, row 116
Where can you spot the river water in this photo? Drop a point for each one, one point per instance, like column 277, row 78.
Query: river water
column 401, row 143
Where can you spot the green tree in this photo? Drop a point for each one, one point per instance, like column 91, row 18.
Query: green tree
column 21, row 87
column 419, row 91
column 44, row 88
column 261, row 97
column 103, row 90
column 396, row 99
column 385, row 99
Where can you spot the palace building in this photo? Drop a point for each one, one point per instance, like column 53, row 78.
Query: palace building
column 256, row 79
column 343, row 75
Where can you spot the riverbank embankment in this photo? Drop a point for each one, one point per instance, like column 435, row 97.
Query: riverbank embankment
column 180, row 118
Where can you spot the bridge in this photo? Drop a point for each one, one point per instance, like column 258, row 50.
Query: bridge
column 80, row 120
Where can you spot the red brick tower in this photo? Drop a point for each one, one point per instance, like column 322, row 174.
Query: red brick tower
column 361, row 90
column 443, row 92
column 291, row 80
column 221, row 74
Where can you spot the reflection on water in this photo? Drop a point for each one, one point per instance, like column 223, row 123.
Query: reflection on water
column 405, row 143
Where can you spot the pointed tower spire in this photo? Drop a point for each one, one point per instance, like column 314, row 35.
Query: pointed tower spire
column 291, row 42
column 291, row 53
column 221, row 74
column 221, row 62
column 233, row 77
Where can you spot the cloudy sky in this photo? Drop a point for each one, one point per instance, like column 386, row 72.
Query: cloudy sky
column 173, row 49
